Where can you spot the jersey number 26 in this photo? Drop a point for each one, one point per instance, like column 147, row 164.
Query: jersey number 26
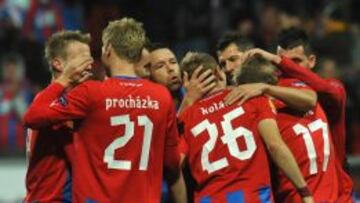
column 229, row 139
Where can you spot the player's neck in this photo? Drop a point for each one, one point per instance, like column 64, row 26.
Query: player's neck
column 215, row 89
column 122, row 67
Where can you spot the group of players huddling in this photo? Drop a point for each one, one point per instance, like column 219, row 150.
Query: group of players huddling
column 251, row 126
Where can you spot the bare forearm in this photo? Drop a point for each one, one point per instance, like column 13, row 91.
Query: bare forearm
column 284, row 159
column 178, row 190
column 303, row 100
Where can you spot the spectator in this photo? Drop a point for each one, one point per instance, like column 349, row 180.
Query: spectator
column 15, row 96
column 42, row 19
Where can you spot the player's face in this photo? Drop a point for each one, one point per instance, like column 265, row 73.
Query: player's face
column 165, row 69
column 230, row 58
column 142, row 68
column 297, row 54
column 11, row 72
column 73, row 50
column 77, row 49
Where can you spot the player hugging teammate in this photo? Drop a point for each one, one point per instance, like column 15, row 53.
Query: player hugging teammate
column 269, row 137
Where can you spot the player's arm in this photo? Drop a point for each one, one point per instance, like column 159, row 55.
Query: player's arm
column 36, row 115
column 333, row 90
column 172, row 165
column 196, row 87
column 281, row 154
column 300, row 99
column 177, row 188
column 49, row 107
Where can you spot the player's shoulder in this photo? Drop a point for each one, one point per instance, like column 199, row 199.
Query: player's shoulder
column 336, row 83
column 154, row 85
column 157, row 89
column 91, row 83
column 262, row 99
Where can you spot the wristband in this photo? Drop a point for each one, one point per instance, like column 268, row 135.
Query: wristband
column 304, row 192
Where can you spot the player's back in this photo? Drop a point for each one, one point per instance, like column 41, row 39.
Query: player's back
column 121, row 143
column 226, row 154
column 48, row 177
column 308, row 137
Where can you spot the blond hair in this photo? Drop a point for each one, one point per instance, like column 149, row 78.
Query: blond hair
column 255, row 69
column 193, row 60
column 127, row 37
column 56, row 45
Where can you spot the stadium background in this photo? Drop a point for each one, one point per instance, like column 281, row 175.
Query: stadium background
column 333, row 26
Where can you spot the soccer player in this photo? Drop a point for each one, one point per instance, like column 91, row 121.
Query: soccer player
column 227, row 152
column 164, row 70
column 48, row 177
column 128, row 129
column 15, row 96
column 296, row 59
column 305, row 133
column 230, row 49
column 142, row 68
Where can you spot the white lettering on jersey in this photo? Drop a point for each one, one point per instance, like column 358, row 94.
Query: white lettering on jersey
column 131, row 102
column 212, row 108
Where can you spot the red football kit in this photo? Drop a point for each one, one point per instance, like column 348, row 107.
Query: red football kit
column 308, row 138
column 127, row 134
column 48, row 177
column 226, row 154
column 332, row 97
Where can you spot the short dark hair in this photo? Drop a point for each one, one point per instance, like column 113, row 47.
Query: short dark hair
column 228, row 38
column 193, row 60
column 152, row 46
column 293, row 37
column 253, row 71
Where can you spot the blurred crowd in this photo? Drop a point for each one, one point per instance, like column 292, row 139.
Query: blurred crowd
column 185, row 25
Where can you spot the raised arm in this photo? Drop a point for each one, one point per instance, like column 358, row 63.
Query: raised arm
column 51, row 106
column 333, row 89
column 300, row 99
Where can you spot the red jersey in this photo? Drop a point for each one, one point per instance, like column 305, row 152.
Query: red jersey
column 308, row 138
column 48, row 178
column 332, row 97
column 225, row 149
column 127, row 134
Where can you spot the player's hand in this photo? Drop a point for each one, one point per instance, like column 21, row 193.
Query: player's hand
column 76, row 70
column 245, row 92
column 221, row 76
column 199, row 84
column 308, row 199
column 260, row 52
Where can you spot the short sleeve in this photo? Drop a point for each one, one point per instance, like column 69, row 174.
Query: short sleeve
column 265, row 108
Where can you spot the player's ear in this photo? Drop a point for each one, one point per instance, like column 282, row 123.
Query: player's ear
column 312, row 61
column 57, row 65
column 108, row 49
